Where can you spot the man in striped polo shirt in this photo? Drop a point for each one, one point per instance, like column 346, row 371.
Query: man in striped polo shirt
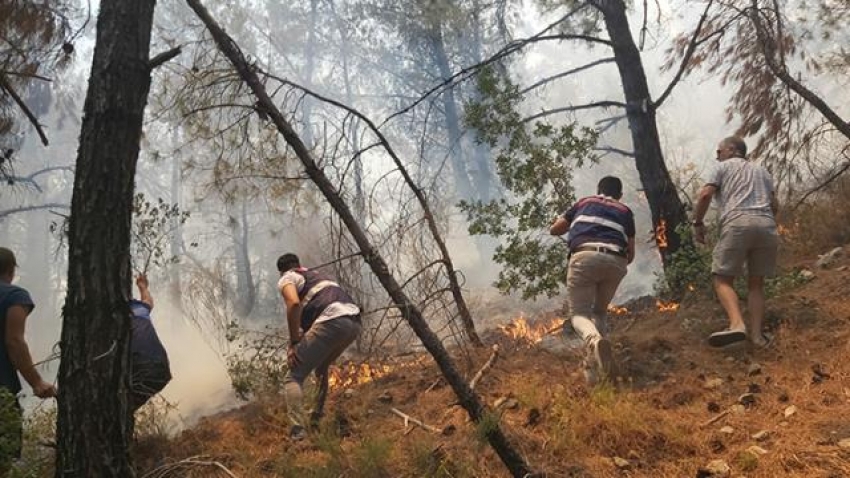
column 323, row 321
column 602, row 244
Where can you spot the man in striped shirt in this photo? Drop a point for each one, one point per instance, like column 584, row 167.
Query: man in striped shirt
column 602, row 244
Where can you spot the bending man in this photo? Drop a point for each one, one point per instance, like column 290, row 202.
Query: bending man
column 323, row 321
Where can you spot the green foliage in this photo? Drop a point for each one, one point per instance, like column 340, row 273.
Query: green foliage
column 784, row 282
column 10, row 423
column 534, row 161
column 258, row 366
column 486, row 425
column 689, row 269
column 153, row 225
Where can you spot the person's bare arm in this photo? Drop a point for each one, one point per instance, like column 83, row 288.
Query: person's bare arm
column 293, row 311
column 630, row 249
column 144, row 290
column 19, row 352
column 559, row 227
column 703, row 201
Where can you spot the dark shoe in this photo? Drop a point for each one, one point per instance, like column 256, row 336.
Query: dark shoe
column 726, row 337
column 297, row 433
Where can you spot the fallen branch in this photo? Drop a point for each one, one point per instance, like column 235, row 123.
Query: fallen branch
column 408, row 419
column 487, row 365
column 436, row 382
column 717, row 418
column 194, row 462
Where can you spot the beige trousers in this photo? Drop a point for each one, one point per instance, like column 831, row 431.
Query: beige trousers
column 592, row 281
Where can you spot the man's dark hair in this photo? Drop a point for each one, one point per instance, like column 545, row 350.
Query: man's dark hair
column 287, row 262
column 7, row 261
column 737, row 144
column 610, row 186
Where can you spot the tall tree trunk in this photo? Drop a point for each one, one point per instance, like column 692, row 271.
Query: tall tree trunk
column 246, row 291
column 667, row 209
column 450, row 112
column 466, row 397
column 94, row 424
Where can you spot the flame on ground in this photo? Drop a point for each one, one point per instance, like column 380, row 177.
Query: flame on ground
column 521, row 329
column 666, row 306
column 613, row 309
column 350, row 374
column 661, row 234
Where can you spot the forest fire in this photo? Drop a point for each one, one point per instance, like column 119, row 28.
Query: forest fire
column 661, row 234
column 614, row 310
column 666, row 306
column 350, row 373
column 521, row 329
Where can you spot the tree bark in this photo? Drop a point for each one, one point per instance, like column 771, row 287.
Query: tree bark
column 466, row 397
column 665, row 204
column 246, row 290
column 94, row 423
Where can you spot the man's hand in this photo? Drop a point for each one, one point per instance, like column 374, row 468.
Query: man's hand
column 699, row 233
column 142, row 281
column 292, row 357
column 44, row 389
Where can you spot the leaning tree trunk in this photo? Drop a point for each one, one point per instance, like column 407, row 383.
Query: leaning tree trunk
column 466, row 397
column 95, row 424
column 667, row 209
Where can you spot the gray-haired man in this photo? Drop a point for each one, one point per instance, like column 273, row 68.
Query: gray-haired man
column 748, row 236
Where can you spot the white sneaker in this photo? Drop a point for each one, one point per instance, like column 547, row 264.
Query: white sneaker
column 604, row 355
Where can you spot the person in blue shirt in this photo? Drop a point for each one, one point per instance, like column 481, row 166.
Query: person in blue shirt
column 15, row 306
column 150, row 371
column 602, row 245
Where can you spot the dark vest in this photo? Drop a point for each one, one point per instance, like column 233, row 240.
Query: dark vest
column 313, row 304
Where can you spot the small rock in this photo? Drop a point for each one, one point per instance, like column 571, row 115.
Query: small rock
column 506, row 402
column 807, row 274
column 738, row 409
column 761, row 436
column 829, row 258
column 715, row 469
column 730, row 358
column 713, row 383
column 843, row 268
column 783, row 423
column 753, row 369
column 727, row 430
column 348, row 393
column 747, row 400
column 844, row 443
column 633, row 455
column 621, row 463
column 385, row 397
column 757, row 450
column 791, row 410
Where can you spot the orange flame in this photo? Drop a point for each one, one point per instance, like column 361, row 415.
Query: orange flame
column 613, row 309
column 666, row 306
column 350, row 374
column 521, row 329
column 661, row 234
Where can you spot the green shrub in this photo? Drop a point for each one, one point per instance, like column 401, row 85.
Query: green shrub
column 688, row 272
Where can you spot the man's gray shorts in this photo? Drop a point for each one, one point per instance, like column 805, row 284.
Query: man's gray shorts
column 750, row 241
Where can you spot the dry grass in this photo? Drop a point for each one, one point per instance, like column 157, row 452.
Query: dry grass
column 655, row 417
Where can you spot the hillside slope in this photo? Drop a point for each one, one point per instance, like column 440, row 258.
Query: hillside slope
column 679, row 405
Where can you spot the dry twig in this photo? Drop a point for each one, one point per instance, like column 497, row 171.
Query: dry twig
column 408, row 419
column 485, row 368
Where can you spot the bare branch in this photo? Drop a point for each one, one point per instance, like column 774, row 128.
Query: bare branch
column 9, row 212
column 5, row 85
column 566, row 73
column 564, row 109
column 609, row 149
column 689, row 53
column 163, row 57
